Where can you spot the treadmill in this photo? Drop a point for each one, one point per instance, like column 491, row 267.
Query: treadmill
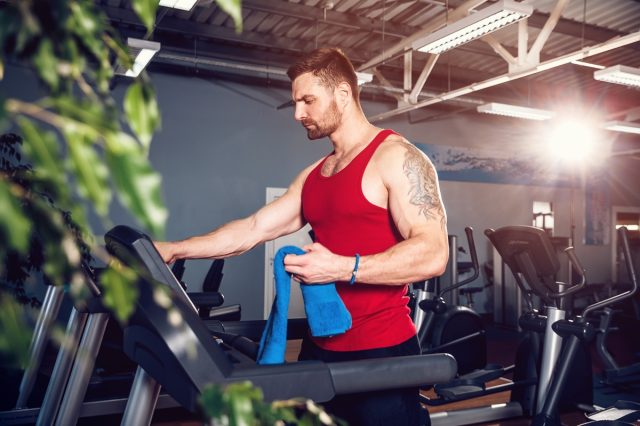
column 174, row 349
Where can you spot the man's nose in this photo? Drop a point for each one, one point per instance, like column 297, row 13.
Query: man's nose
column 299, row 114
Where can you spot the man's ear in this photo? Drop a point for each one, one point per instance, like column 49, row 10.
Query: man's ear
column 343, row 92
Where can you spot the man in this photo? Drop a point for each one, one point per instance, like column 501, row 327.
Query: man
column 379, row 223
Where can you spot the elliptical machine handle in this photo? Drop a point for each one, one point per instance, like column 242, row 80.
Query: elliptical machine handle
column 631, row 270
column 577, row 266
column 472, row 252
column 474, row 262
column 571, row 254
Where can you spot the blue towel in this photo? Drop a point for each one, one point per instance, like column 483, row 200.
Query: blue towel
column 326, row 313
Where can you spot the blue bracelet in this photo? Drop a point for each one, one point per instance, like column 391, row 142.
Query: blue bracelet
column 355, row 270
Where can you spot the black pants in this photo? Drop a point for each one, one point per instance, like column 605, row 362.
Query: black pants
column 398, row 407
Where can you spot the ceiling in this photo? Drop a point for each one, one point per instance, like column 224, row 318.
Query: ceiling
column 377, row 34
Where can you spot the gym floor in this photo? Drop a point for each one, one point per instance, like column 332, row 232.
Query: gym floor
column 502, row 344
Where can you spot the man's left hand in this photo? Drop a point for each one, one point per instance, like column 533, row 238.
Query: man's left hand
column 318, row 265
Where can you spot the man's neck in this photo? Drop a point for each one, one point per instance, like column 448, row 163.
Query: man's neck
column 352, row 134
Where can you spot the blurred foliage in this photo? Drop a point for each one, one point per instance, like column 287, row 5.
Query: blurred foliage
column 33, row 213
column 73, row 154
column 77, row 154
column 16, row 335
column 242, row 404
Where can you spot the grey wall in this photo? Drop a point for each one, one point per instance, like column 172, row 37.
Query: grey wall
column 222, row 144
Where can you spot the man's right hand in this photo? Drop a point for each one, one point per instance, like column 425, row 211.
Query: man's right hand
column 167, row 250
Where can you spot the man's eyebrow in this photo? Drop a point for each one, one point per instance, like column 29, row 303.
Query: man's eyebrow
column 304, row 98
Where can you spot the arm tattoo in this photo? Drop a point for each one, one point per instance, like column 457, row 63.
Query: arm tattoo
column 423, row 191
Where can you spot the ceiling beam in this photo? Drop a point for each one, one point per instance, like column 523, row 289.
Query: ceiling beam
column 435, row 24
column 194, row 29
column 494, row 81
column 574, row 28
column 170, row 23
column 314, row 13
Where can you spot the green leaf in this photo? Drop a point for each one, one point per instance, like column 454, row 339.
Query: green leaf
column 56, row 265
column 120, row 290
column 86, row 26
column 234, row 9
column 15, row 225
column 120, row 50
column 104, row 73
column 212, row 402
column 146, row 11
column 88, row 113
column 15, row 334
column 43, row 151
column 90, row 171
column 24, row 23
column 46, row 64
column 137, row 184
column 142, row 111
column 241, row 398
column 84, row 19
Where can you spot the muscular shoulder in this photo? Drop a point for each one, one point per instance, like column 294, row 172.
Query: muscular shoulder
column 412, row 184
column 396, row 155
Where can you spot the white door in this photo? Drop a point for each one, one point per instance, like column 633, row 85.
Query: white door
column 300, row 239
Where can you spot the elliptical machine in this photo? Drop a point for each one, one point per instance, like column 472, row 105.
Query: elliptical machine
column 574, row 332
column 531, row 257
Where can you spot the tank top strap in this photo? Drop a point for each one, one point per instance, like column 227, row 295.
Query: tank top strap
column 362, row 159
column 366, row 154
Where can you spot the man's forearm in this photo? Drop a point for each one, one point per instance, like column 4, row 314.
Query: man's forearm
column 231, row 239
column 406, row 262
column 412, row 260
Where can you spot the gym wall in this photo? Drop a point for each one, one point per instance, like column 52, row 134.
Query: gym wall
column 222, row 143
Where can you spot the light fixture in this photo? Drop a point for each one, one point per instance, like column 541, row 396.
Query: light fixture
column 142, row 51
column 588, row 64
column 474, row 26
column 364, row 77
column 619, row 74
column 178, row 4
column 515, row 111
column 623, row 126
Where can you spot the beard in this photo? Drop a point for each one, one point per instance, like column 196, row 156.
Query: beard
column 327, row 125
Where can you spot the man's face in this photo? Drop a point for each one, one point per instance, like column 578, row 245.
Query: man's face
column 316, row 106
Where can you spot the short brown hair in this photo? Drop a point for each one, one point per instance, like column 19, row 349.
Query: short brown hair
column 330, row 65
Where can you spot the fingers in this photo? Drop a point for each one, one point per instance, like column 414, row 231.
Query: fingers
column 164, row 251
column 313, row 247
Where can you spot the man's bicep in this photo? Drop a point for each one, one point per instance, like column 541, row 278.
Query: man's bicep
column 280, row 217
column 283, row 216
column 414, row 192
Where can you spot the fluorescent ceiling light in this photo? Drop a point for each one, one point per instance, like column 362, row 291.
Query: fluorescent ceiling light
column 619, row 74
column 474, row 26
column 179, row 4
column 364, row 77
column 623, row 126
column 142, row 51
column 588, row 64
column 515, row 111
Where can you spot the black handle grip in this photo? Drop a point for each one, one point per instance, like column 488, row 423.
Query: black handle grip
column 472, row 249
column 392, row 373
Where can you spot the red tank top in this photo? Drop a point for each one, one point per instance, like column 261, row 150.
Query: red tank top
column 345, row 222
